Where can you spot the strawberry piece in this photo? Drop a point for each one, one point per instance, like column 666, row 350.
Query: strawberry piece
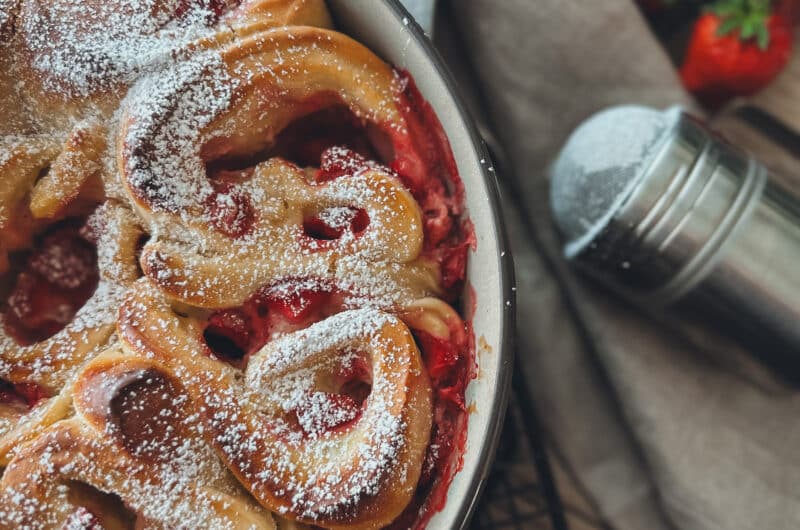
column 454, row 266
column 737, row 47
column 316, row 228
column 59, row 277
column 299, row 306
column 232, row 335
column 31, row 392
column 337, row 162
column 217, row 8
column 25, row 394
column 9, row 394
column 228, row 335
column 332, row 223
column 64, row 262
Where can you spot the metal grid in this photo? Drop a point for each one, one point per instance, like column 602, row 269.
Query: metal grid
column 520, row 491
column 531, row 487
column 514, row 497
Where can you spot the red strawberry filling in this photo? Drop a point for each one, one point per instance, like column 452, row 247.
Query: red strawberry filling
column 342, row 144
column 448, row 370
column 305, row 141
column 233, row 334
column 27, row 395
column 57, row 279
column 230, row 210
column 97, row 510
column 330, row 224
column 216, row 8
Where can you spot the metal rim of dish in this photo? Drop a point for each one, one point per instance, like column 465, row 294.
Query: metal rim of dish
column 505, row 265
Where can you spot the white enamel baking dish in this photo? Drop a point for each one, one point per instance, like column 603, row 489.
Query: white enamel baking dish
column 386, row 27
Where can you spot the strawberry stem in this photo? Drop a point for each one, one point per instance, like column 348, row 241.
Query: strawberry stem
column 748, row 18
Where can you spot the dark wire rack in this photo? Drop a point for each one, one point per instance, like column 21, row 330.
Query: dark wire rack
column 520, row 491
column 513, row 497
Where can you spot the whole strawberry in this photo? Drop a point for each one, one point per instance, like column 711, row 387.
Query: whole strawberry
column 737, row 47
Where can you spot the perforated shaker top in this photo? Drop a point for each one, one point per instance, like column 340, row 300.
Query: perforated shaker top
column 600, row 165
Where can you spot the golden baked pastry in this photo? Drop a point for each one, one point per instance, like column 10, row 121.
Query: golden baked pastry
column 45, row 336
column 231, row 239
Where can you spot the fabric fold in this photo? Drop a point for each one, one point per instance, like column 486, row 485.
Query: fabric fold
column 665, row 423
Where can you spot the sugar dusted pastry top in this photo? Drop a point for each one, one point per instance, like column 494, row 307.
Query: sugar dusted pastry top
column 231, row 240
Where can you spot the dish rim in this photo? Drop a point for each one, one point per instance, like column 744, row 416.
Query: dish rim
column 505, row 267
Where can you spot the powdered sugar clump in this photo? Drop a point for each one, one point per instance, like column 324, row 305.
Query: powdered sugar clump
column 338, row 218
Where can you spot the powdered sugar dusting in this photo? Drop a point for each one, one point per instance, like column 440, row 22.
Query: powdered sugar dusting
column 600, row 165
column 285, row 423
column 48, row 359
column 78, row 50
column 12, row 148
column 181, row 492
column 61, row 267
column 166, row 167
column 320, row 413
column 325, row 472
column 376, row 267
column 339, row 218
column 82, row 519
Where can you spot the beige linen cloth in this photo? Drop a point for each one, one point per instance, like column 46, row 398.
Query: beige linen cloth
column 666, row 426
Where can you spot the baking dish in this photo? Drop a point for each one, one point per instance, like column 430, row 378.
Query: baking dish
column 387, row 28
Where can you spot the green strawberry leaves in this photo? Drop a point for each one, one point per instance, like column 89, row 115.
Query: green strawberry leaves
column 747, row 17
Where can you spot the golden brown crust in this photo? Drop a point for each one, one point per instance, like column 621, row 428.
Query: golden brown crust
column 248, row 94
column 77, row 58
column 53, row 363
column 377, row 460
column 46, row 179
column 93, row 453
column 146, row 426
column 24, row 160
column 75, row 176
column 279, row 13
